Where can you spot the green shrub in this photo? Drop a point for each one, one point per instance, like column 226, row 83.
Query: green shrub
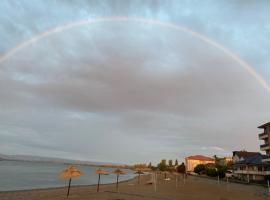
column 211, row 172
column 199, row 168
column 221, row 170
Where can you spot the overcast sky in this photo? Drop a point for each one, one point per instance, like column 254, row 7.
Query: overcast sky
column 127, row 91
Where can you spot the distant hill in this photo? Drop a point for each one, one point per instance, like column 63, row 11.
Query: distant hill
column 57, row 160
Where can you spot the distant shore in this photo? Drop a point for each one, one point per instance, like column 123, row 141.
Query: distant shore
column 72, row 163
column 190, row 189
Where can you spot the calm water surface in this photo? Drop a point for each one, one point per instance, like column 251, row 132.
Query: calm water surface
column 17, row 175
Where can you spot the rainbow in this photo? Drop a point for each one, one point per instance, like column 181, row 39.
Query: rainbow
column 75, row 24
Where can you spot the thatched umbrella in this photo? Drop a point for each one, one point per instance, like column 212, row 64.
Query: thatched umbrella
column 100, row 172
column 118, row 172
column 139, row 171
column 69, row 173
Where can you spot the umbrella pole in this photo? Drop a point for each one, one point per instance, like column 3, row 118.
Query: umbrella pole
column 68, row 187
column 117, row 182
column 98, row 182
column 139, row 178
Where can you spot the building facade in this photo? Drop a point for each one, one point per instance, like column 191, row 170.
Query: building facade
column 265, row 136
column 253, row 166
column 193, row 161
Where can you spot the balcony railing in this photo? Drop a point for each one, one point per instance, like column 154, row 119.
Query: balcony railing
column 252, row 172
column 264, row 146
column 263, row 135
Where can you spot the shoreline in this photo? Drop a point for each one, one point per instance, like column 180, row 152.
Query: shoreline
column 72, row 186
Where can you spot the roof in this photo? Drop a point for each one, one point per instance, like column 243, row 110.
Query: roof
column 200, row 157
column 264, row 125
column 101, row 171
column 70, row 172
column 245, row 154
column 253, row 160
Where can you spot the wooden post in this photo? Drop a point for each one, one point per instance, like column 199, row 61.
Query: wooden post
column 98, row 182
column 155, row 175
column 117, row 182
column 268, row 185
column 139, row 178
column 68, row 187
column 176, row 180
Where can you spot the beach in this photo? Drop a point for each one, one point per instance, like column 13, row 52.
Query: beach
column 190, row 189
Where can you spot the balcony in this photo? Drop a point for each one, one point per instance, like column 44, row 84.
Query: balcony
column 265, row 147
column 252, row 172
column 266, row 160
column 263, row 136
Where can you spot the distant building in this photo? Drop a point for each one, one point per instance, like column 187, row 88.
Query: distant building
column 223, row 161
column 265, row 136
column 193, row 161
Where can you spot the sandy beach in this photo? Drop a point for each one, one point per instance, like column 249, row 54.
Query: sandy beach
column 193, row 188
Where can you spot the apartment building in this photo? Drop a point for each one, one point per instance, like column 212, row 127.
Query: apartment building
column 265, row 136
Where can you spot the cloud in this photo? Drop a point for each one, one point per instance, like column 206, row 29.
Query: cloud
column 109, row 91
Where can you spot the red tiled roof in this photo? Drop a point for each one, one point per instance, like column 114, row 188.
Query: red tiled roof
column 200, row 157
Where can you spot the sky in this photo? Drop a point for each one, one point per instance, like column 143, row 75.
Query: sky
column 130, row 91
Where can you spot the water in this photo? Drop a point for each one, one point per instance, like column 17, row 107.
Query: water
column 18, row 175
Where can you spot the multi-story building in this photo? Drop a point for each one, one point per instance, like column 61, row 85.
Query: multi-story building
column 265, row 136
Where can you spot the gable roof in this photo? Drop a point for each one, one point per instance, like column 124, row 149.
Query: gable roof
column 200, row 157
column 245, row 154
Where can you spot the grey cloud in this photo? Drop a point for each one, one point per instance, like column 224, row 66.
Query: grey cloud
column 109, row 91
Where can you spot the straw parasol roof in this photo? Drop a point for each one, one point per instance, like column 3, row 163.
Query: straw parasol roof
column 101, row 172
column 118, row 171
column 139, row 171
column 70, row 172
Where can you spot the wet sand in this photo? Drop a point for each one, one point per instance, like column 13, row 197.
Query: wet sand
column 194, row 188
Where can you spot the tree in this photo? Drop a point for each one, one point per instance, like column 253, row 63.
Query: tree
column 221, row 171
column 162, row 166
column 164, row 162
column 170, row 163
column 199, row 168
column 181, row 168
column 230, row 164
column 176, row 163
column 150, row 165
